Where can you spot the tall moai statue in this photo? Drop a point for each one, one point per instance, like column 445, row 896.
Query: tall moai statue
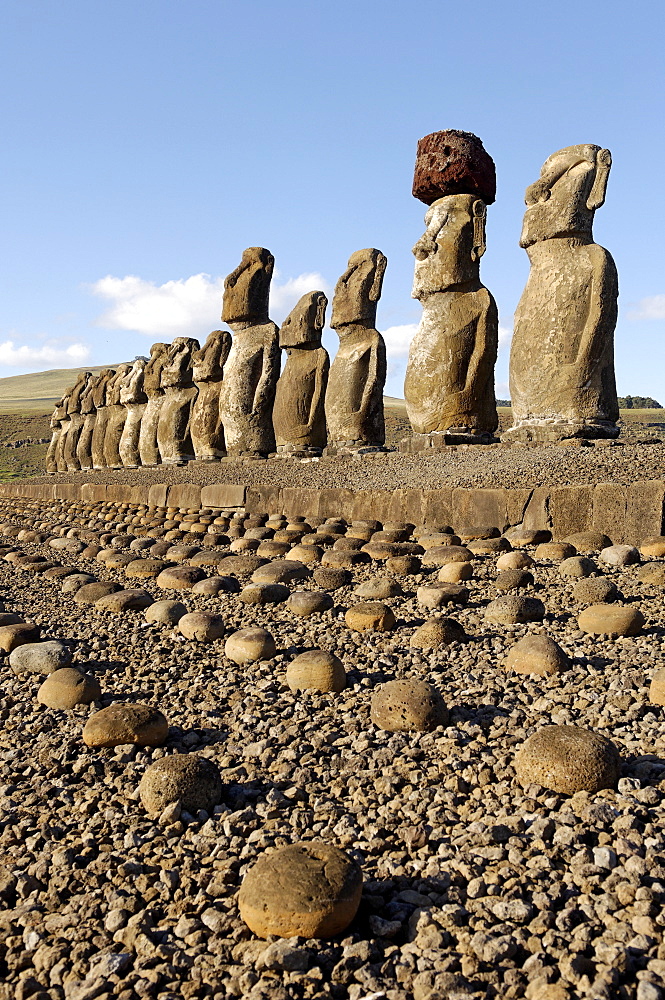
column 101, row 419
column 173, row 437
column 152, row 386
column 134, row 399
column 562, row 381
column 206, row 426
column 449, row 384
column 75, row 421
column 252, row 369
column 57, row 417
column 354, row 397
column 299, row 415
column 84, row 446
column 116, row 414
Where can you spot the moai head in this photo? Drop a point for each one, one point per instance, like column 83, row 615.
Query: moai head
column 115, row 384
column 305, row 322
column 74, row 404
column 358, row 290
column 153, row 369
column 100, row 386
column 131, row 385
column 247, row 289
column 449, row 251
column 178, row 368
column 208, row 362
column 563, row 200
column 60, row 411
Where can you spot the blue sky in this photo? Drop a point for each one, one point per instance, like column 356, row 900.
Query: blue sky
column 145, row 144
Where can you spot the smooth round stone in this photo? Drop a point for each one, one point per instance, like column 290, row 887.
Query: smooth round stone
column 438, row 595
column 620, row 555
column 309, row 602
column 329, row 578
column 104, row 555
column 513, row 579
column 181, row 553
column 243, row 544
column 36, row 564
column 437, row 632
column 239, row 565
column 652, row 573
column 264, row 593
column 536, row 654
column 8, row 618
column 370, row 616
column 308, row 554
column 40, row 657
column 165, row 612
column 214, row 585
column 555, row 551
column 68, row 687
column 597, row 590
column 120, row 724
column 408, row 706
column 91, row 552
column 19, row 634
column 360, row 533
column 179, row 577
column 474, row 532
column 261, row 533
column 90, row 593
column 455, row 572
column 515, row 610
column 316, row 670
column 158, row 550
column 58, row 572
column 433, row 539
column 348, row 544
column 380, row 551
column 577, row 566
column 440, row 555
column 588, row 541
column 394, row 535
column 71, row 545
column 274, row 550
column 489, row 546
column 344, row 560
column 120, row 560
column 206, row 558
column 140, row 544
column 568, row 759
column 308, row 890
column 75, row 581
column 611, row 619
column 125, row 600
column 653, row 547
column 403, row 565
column 657, row 688
column 523, row 537
column 379, row 588
column 249, row 645
column 144, row 569
column 191, row 780
column 281, row 571
column 202, row 626
column 514, row 560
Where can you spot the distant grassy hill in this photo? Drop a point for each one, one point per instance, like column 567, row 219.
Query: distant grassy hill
column 39, row 391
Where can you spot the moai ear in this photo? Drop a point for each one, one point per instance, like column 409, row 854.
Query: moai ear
column 321, row 304
column 479, row 211
column 379, row 271
column 597, row 195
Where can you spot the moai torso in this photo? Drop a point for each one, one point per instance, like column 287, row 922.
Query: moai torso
column 299, row 413
column 152, row 386
column 562, row 380
column 84, row 446
column 173, row 436
column 116, row 415
column 354, row 397
column 206, row 426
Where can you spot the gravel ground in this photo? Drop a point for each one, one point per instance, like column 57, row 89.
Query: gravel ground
column 469, row 466
column 474, row 886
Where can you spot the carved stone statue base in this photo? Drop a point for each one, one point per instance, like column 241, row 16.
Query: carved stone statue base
column 438, row 440
column 542, row 431
column 291, row 451
column 353, row 448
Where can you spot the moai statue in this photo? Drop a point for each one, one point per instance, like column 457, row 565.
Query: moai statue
column 173, row 438
column 59, row 414
column 206, row 425
column 84, row 446
column 101, row 419
column 134, row 399
column 116, row 414
column 562, row 357
column 299, row 415
column 75, row 421
column 354, row 397
column 152, row 386
column 252, row 369
column 449, row 384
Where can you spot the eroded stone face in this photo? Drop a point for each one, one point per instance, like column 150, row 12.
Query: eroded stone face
column 299, row 412
column 453, row 162
column 173, row 437
column 206, row 426
column 562, row 381
column 246, row 290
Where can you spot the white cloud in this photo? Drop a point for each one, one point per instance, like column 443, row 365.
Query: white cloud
column 505, row 336
column 49, row 353
column 652, row 307
column 398, row 338
column 184, row 307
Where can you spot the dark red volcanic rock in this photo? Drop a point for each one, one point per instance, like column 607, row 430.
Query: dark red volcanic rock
column 453, row 162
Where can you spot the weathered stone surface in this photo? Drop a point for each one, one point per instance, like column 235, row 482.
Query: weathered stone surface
column 354, row 397
column 370, row 616
column 214, row 585
column 309, row 602
column 115, row 416
column 452, row 162
column 18, row 634
column 152, row 386
column 173, row 435
column 619, row 555
column 437, row 632
column 90, row 593
column 119, row 724
column 513, row 579
column 438, row 595
column 598, row 590
column 653, row 547
column 455, row 572
column 144, row 569
column 588, row 541
column 202, row 626
column 449, row 384
column 165, row 612
column 125, row 600
column 514, row 560
column 240, row 565
column 577, row 566
column 536, row 654
column 652, row 573
column 403, row 565
column 179, row 577
column 74, row 582
column 40, row 657
column 206, row 428
column 331, row 578
column 488, row 546
column 134, row 399
column 189, row 779
column 562, row 356
column 379, row 588
column 657, row 687
column 281, row 571
column 309, row 890
column 264, row 593
column 611, row 619
column 67, row 687
column 441, row 555
column 408, row 705
column 299, row 412
column 316, row 670
column 513, row 610
column 568, row 759
column 555, row 551
column 248, row 645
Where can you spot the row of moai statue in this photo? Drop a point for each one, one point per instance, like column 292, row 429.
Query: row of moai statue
column 562, row 382
column 189, row 403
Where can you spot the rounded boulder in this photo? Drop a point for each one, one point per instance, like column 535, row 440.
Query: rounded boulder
column 316, row 670
column 189, row 779
column 408, row 706
column 568, row 759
